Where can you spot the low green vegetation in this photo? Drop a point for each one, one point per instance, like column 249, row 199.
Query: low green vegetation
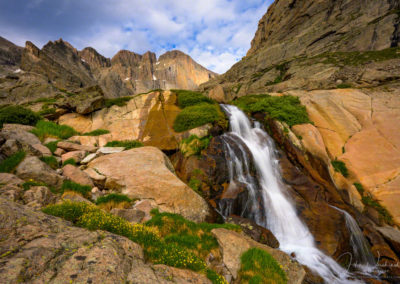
column 83, row 190
column 96, row 132
column 172, row 251
column 114, row 200
column 117, row 101
column 340, row 167
column 369, row 201
column 51, row 161
column 50, row 129
column 18, row 114
column 188, row 98
column 47, row 111
column 344, row 86
column 194, row 145
column 359, row 188
column 128, row 144
column 259, row 267
column 28, row 184
column 70, row 161
column 286, row 109
column 52, row 146
column 197, row 115
column 9, row 164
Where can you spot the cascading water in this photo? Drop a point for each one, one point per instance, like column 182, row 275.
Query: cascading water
column 268, row 203
column 364, row 259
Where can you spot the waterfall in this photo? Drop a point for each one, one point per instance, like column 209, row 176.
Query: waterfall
column 268, row 202
column 362, row 253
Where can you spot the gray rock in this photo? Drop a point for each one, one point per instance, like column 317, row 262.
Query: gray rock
column 110, row 150
column 38, row 196
column 89, row 158
column 69, row 146
column 131, row 215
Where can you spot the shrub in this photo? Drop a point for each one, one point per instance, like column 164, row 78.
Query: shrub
column 9, row 164
column 194, row 145
column 195, row 116
column 117, row 101
column 128, row 144
column 70, row 161
column 359, row 188
column 340, row 167
column 70, row 210
column 52, row 146
column 369, row 201
column 51, row 161
column 96, row 132
column 258, row 266
column 50, row 129
column 114, row 200
column 190, row 98
column 18, row 114
column 68, row 185
column 287, row 109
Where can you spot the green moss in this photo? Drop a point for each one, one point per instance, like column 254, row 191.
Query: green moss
column 188, row 98
column 9, row 164
column 197, row 115
column 114, row 197
column 18, row 114
column 258, row 266
column 70, row 161
column 369, row 201
column 344, row 86
column 52, row 146
column 340, row 167
column 27, row 185
column 287, row 109
column 128, row 144
column 194, row 145
column 117, row 101
column 50, row 129
column 47, row 111
column 51, row 161
column 96, row 132
column 84, row 190
column 359, row 188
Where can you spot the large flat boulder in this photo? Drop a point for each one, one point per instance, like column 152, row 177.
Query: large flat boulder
column 37, row 248
column 146, row 173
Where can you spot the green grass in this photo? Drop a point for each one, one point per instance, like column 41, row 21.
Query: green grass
column 83, row 190
column 9, row 164
column 188, row 98
column 369, row 201
column 70, row 161
column 197, row 115
column 258, row 266
column 117, row 101
column 359, row 188
column 52, row 146
column 51, row 161
column 47, row 111
column 156, row 248
column 18, row 114
column 344, row 86
column 194, row 145
column 50, row 129
column 28, row 184
column 286, row 109
column 128, row 144
column 96, row 132
column 114, row 197
column 340, row 167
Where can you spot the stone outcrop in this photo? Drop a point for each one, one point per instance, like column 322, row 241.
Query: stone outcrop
column 317, row 45
column 147, row 118
column 146, row 173
column 37, row 248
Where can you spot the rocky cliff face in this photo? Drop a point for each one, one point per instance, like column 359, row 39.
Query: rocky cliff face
column 58, row 65
column 313, row 44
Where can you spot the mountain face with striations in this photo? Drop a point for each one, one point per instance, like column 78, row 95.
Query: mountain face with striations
column 58, row 65
column 313, row 44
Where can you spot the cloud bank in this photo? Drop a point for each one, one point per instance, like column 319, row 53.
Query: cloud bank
column 216, row 33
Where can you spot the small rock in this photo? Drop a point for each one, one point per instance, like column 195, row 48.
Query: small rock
column 131, row 215
column 89, row 158
column 110, row 150
column 15, row 126
column 38, row 196
column 339, row 82
column 59, row 171
column 49, row 139
column 75, row 197
column 10, row 179
column 42, row 149
column 93, row 174
column 18, row 132
column 76, row 175
column 145, row 206
column 78, row 156
column 11, row 192
column 10, row 147
column 68, row 146
column 59, row 152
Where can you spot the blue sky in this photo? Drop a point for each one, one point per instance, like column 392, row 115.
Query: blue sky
column 216, row 33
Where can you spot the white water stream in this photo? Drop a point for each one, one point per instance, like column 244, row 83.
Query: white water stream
column 269, row 204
